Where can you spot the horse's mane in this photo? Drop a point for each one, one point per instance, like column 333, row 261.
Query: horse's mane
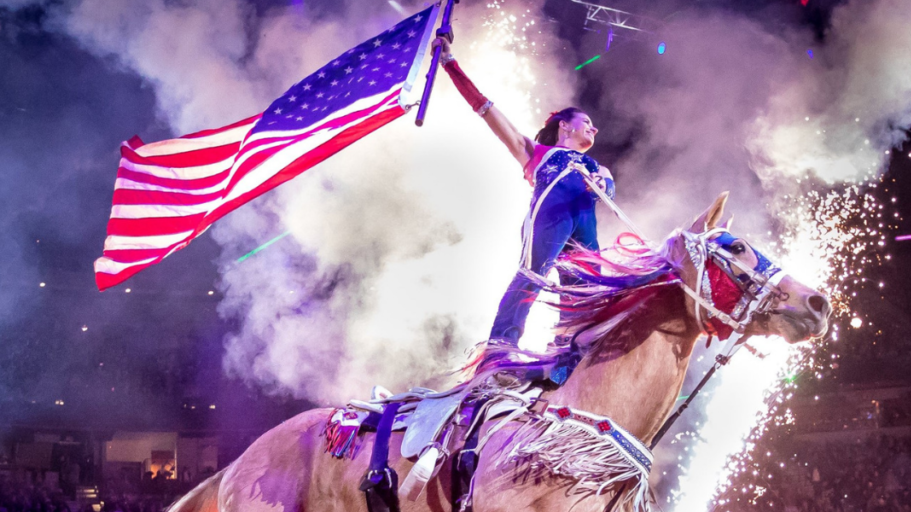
column 609, row 287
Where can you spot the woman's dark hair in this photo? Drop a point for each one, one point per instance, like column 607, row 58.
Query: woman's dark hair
column 550, row 134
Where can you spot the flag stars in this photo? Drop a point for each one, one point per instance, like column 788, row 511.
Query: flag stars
column 319, row 95
column 403, row 64
column 334, row 83
column 364, row 66
column 392, row 61
column 362, row 56
column 380, row 55
column 277, row 111
column 348, row 70
column 375, row 69
column 292, row 98
column 412, row 33
column 418, row 18
column 298, row 118
column 396, row 46
column 388, row 75
column 335, row 63
column 321, row 74
column 305, row 106
column 372, row 82
column 307, row 87
column 377, row 43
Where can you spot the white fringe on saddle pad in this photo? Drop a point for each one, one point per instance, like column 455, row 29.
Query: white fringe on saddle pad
column 590, row 449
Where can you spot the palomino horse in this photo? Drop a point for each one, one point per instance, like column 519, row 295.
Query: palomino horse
column 631, row 371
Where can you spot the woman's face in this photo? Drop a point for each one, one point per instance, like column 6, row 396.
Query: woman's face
column 581, row 131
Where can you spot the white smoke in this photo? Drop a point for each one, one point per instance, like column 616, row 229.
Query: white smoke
column 839, row 117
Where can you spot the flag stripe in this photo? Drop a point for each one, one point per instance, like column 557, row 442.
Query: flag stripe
column 250, row 121
column 127, row 196
column 192, row 158
column 138, row 211
column 218, row 137
column 154, row 225
column 113, row 242
column 125, row 257
column 138, row 180
column 182, row 173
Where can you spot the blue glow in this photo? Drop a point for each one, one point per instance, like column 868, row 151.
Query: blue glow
column 810, row 53
column 661, row 48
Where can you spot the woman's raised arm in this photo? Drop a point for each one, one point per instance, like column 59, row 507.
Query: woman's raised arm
column 521, row 147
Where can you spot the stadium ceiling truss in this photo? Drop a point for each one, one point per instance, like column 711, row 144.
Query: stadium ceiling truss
column 629, row 24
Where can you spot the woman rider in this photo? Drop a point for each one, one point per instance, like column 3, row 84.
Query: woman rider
column 562, row 207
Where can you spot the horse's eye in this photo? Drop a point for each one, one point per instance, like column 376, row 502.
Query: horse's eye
column 738, row 248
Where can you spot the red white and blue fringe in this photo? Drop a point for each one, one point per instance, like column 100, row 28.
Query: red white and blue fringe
column 592, row 450
column 341, row 432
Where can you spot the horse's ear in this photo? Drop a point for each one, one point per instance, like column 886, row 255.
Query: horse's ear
column 710, row 218
column 728, row 223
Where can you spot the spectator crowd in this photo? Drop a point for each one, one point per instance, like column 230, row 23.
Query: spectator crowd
column 870, row 475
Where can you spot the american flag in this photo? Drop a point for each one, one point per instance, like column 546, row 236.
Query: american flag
column 167, row 193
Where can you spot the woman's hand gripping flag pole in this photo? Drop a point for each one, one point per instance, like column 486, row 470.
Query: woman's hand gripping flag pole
column 445, row 31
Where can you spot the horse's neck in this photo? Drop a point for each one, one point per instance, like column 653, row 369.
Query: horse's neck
column 635, row 386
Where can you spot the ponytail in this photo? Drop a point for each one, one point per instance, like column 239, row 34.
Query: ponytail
column 550, row 134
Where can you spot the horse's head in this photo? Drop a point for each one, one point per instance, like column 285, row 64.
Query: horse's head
column 732, row 287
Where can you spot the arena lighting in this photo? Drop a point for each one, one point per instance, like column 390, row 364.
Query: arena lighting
column 631, row 24
column 662, row 47
column 902, row 238
column 263, row 246
column 589, row 61
column 398, row 7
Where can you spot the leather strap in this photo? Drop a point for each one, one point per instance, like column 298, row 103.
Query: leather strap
column 381, row 483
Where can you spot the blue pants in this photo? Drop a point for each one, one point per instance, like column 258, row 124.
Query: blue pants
column 567, row 213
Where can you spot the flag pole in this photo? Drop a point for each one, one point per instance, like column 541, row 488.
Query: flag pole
column 444, row 31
